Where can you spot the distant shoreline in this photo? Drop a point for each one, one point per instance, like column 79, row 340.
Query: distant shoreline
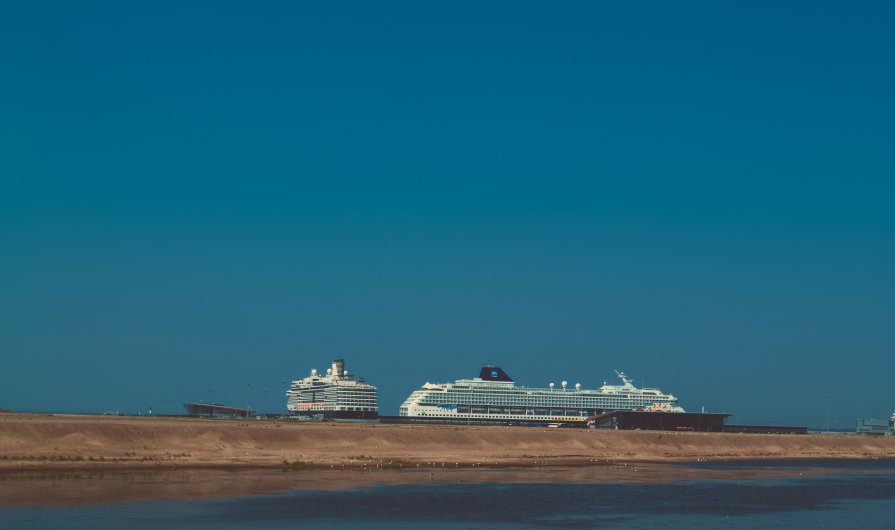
column 31, row 442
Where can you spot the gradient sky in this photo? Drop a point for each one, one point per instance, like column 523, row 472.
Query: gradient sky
column 202, row 201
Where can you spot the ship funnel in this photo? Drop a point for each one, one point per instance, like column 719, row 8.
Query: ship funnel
column 339, row 367
column 490, row 372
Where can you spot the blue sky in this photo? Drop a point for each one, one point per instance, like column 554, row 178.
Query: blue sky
column 203, row 201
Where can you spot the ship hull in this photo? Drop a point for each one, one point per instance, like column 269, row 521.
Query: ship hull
column 519, row 422
column 322, row 415
column 620, row 420
column 627, row 420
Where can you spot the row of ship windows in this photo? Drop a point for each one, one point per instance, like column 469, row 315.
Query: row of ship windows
column 498, row 411
column 332, row 388
column 504, row 392
column 315, row 399
column 327, row 391
column 359, row 409
column 340, row 403
column 540, row 399
column 341, row 395
column 530, row 412
column 537, row 403
column 508, row 417
column 563, row 395
column 321, row 395
column 331, row 384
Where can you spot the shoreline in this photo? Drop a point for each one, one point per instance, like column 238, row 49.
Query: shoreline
column 51, row 442
column 495, row 466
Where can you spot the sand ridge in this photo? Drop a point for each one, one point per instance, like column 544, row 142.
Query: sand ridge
column 36, row 441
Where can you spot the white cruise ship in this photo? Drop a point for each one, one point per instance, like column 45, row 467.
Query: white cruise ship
column 334, row 395
column 493, row 396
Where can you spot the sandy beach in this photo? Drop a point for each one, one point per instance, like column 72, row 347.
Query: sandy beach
column 65, row 442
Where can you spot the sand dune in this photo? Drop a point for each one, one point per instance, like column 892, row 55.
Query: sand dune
column 30, row 441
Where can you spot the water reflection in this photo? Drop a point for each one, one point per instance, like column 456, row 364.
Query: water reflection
column 80, row 488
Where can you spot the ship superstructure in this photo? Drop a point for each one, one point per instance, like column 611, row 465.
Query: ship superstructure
column 334, row 395
column 495, row 396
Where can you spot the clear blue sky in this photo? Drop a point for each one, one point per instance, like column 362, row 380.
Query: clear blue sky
column 217, row 196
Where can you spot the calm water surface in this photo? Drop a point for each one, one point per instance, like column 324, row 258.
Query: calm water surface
column 814, row 494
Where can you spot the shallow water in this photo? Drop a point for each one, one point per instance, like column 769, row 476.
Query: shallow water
column 794, row 494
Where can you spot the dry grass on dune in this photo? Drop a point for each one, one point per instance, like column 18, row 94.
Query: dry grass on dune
column 59, row 441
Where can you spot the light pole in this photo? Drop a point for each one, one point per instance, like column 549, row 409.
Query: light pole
column 828, row 414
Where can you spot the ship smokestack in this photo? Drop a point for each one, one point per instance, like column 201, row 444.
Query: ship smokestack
column 339, row 368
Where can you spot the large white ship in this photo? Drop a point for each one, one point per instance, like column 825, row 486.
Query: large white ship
column 334, row 395
column 494, row 396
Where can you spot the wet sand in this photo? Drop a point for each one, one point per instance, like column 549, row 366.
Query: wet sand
column 71, row 442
